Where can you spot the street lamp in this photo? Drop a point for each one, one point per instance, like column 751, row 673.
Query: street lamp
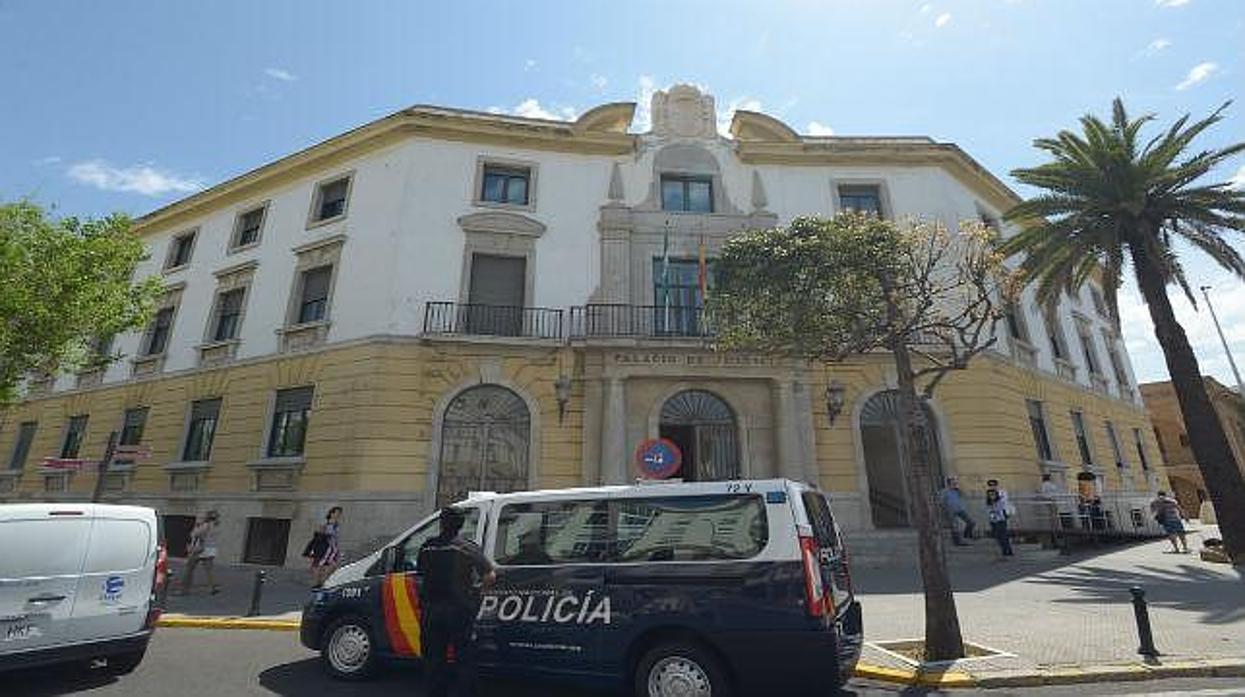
column 1240, row 388
column 835, row 396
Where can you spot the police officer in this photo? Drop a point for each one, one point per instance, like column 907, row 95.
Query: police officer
column 454, row 573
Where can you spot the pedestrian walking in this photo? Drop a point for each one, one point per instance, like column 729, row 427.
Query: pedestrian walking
column 454, row 573
column 202, row 550
column 996, row 511
column 324, row 550
column 1168, row 514
column 954, row 509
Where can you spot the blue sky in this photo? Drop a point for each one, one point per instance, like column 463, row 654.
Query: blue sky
column 127, row 105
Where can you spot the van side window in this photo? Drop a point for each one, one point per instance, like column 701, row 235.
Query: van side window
column 411, row 545
column 39, row 548
column 696, row 528
column 820, row 519
column 552, row 532
column 117, row 545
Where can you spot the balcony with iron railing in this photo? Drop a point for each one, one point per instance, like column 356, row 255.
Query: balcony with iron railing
column 474, row 319
column 610, row 320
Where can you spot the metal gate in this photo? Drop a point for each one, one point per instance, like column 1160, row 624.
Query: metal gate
column 485, row 439
column 714, row 434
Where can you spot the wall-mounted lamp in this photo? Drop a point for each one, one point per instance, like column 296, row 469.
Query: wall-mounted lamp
column 562, row 392
column 836, row 394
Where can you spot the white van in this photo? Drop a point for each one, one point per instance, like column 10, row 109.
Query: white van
column 663, row 589
column 78, row 581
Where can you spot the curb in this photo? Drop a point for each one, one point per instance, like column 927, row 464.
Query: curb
column 255, row 623
column 1070, row 675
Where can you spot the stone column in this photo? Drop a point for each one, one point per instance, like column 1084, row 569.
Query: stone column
column 806, row 433
column 790, row 457
column 614, row 462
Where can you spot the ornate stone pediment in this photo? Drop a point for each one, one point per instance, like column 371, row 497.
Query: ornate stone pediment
column 684, row 111
column 503, row 222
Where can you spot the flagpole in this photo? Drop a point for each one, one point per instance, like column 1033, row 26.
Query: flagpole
column 665, row 274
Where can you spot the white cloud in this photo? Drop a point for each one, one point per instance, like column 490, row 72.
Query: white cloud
column 1171, row 3
column 49, row 160
column 1159, row 44
column 927, row 8
column 529, row 65
column 644, row 104
column 943, row 20
column 143, row 179
column 598, row 81
column 1238, row 180
column 819, row 129
column 1197, row 74
column 532, row 109
column 1144, row 350
column 280, row 74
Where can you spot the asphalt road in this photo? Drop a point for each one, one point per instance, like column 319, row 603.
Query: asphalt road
column 202, row 663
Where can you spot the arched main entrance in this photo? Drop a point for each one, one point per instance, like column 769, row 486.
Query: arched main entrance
column 879, row 434
column 704, row 428
column 485, row 438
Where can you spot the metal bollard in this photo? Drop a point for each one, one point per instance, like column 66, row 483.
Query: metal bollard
column 1143, row 623
column 257, row 592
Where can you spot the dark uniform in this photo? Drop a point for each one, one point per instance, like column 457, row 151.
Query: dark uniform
column 452, row 570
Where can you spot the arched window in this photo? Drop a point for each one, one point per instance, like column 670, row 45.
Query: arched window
column 485, row 439
column 704, row 428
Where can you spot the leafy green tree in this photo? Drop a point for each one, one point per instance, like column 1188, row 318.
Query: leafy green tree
column 67, row 283
column 1108, row 201
column 827, row 290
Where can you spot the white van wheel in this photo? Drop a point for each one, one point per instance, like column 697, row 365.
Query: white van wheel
column 349, row 652
column 680, row 670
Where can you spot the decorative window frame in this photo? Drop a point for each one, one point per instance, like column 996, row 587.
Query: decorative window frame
column 317, row 193
column 323, row 252
column 503, row 234
column 147, row 364
column 168, row 268
column 884, row 193
column 290, row 467
column 234, row 247
column 239, row 276
column 477, row 191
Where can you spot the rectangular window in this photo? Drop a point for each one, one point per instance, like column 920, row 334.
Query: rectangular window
column 266, row 540
column 677, row 296
column 689, row 528
column 1141, row 449
column 1087, row 345
column 228, row 314
column 1055, row 335
column 132, row 427
column 289, row 422
column 1082, row 438
column 331, row 200
column 313, row 301
column 1041, row 439
column 21, row 449
column 1114, row 440
column 556, row 532
column 686, row 194
column 1015, row 323
column 249, row 225
column 179, row 253
column 861, row 198
column 495, row 296
column 158, row 332
column 507, row 185
column 101, row 348
column 1100, row 305
column 1117, row 364
column 75, row 430
column 204, row 414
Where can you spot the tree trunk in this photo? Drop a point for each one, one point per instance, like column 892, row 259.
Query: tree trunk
column 1210, row 446
column 943, row 640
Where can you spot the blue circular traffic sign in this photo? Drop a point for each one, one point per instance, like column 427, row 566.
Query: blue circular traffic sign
column 658, row 458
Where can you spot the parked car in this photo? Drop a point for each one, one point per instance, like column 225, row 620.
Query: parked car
column 78, row 582
column 738, row 586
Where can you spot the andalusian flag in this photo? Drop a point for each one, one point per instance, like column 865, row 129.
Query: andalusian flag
column 702, row 275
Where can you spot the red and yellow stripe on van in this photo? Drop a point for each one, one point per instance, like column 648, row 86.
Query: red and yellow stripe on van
column 402, row 613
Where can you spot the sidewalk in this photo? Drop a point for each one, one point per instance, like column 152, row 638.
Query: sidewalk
column 284, row 591
column 1068, row 615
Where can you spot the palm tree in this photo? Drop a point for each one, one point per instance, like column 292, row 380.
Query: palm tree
column 1108, row 202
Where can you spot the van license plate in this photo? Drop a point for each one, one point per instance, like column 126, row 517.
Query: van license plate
column 21, row 629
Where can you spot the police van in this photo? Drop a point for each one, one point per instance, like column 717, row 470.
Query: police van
column 708, row 588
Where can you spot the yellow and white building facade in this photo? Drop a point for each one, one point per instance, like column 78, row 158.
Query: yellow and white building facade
column 443, row 301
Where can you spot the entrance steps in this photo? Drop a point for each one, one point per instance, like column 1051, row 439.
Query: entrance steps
column 898, row 548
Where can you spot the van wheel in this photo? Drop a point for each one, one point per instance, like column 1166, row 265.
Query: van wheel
column 124, row 663
column 349, row 651
column 681, row 669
